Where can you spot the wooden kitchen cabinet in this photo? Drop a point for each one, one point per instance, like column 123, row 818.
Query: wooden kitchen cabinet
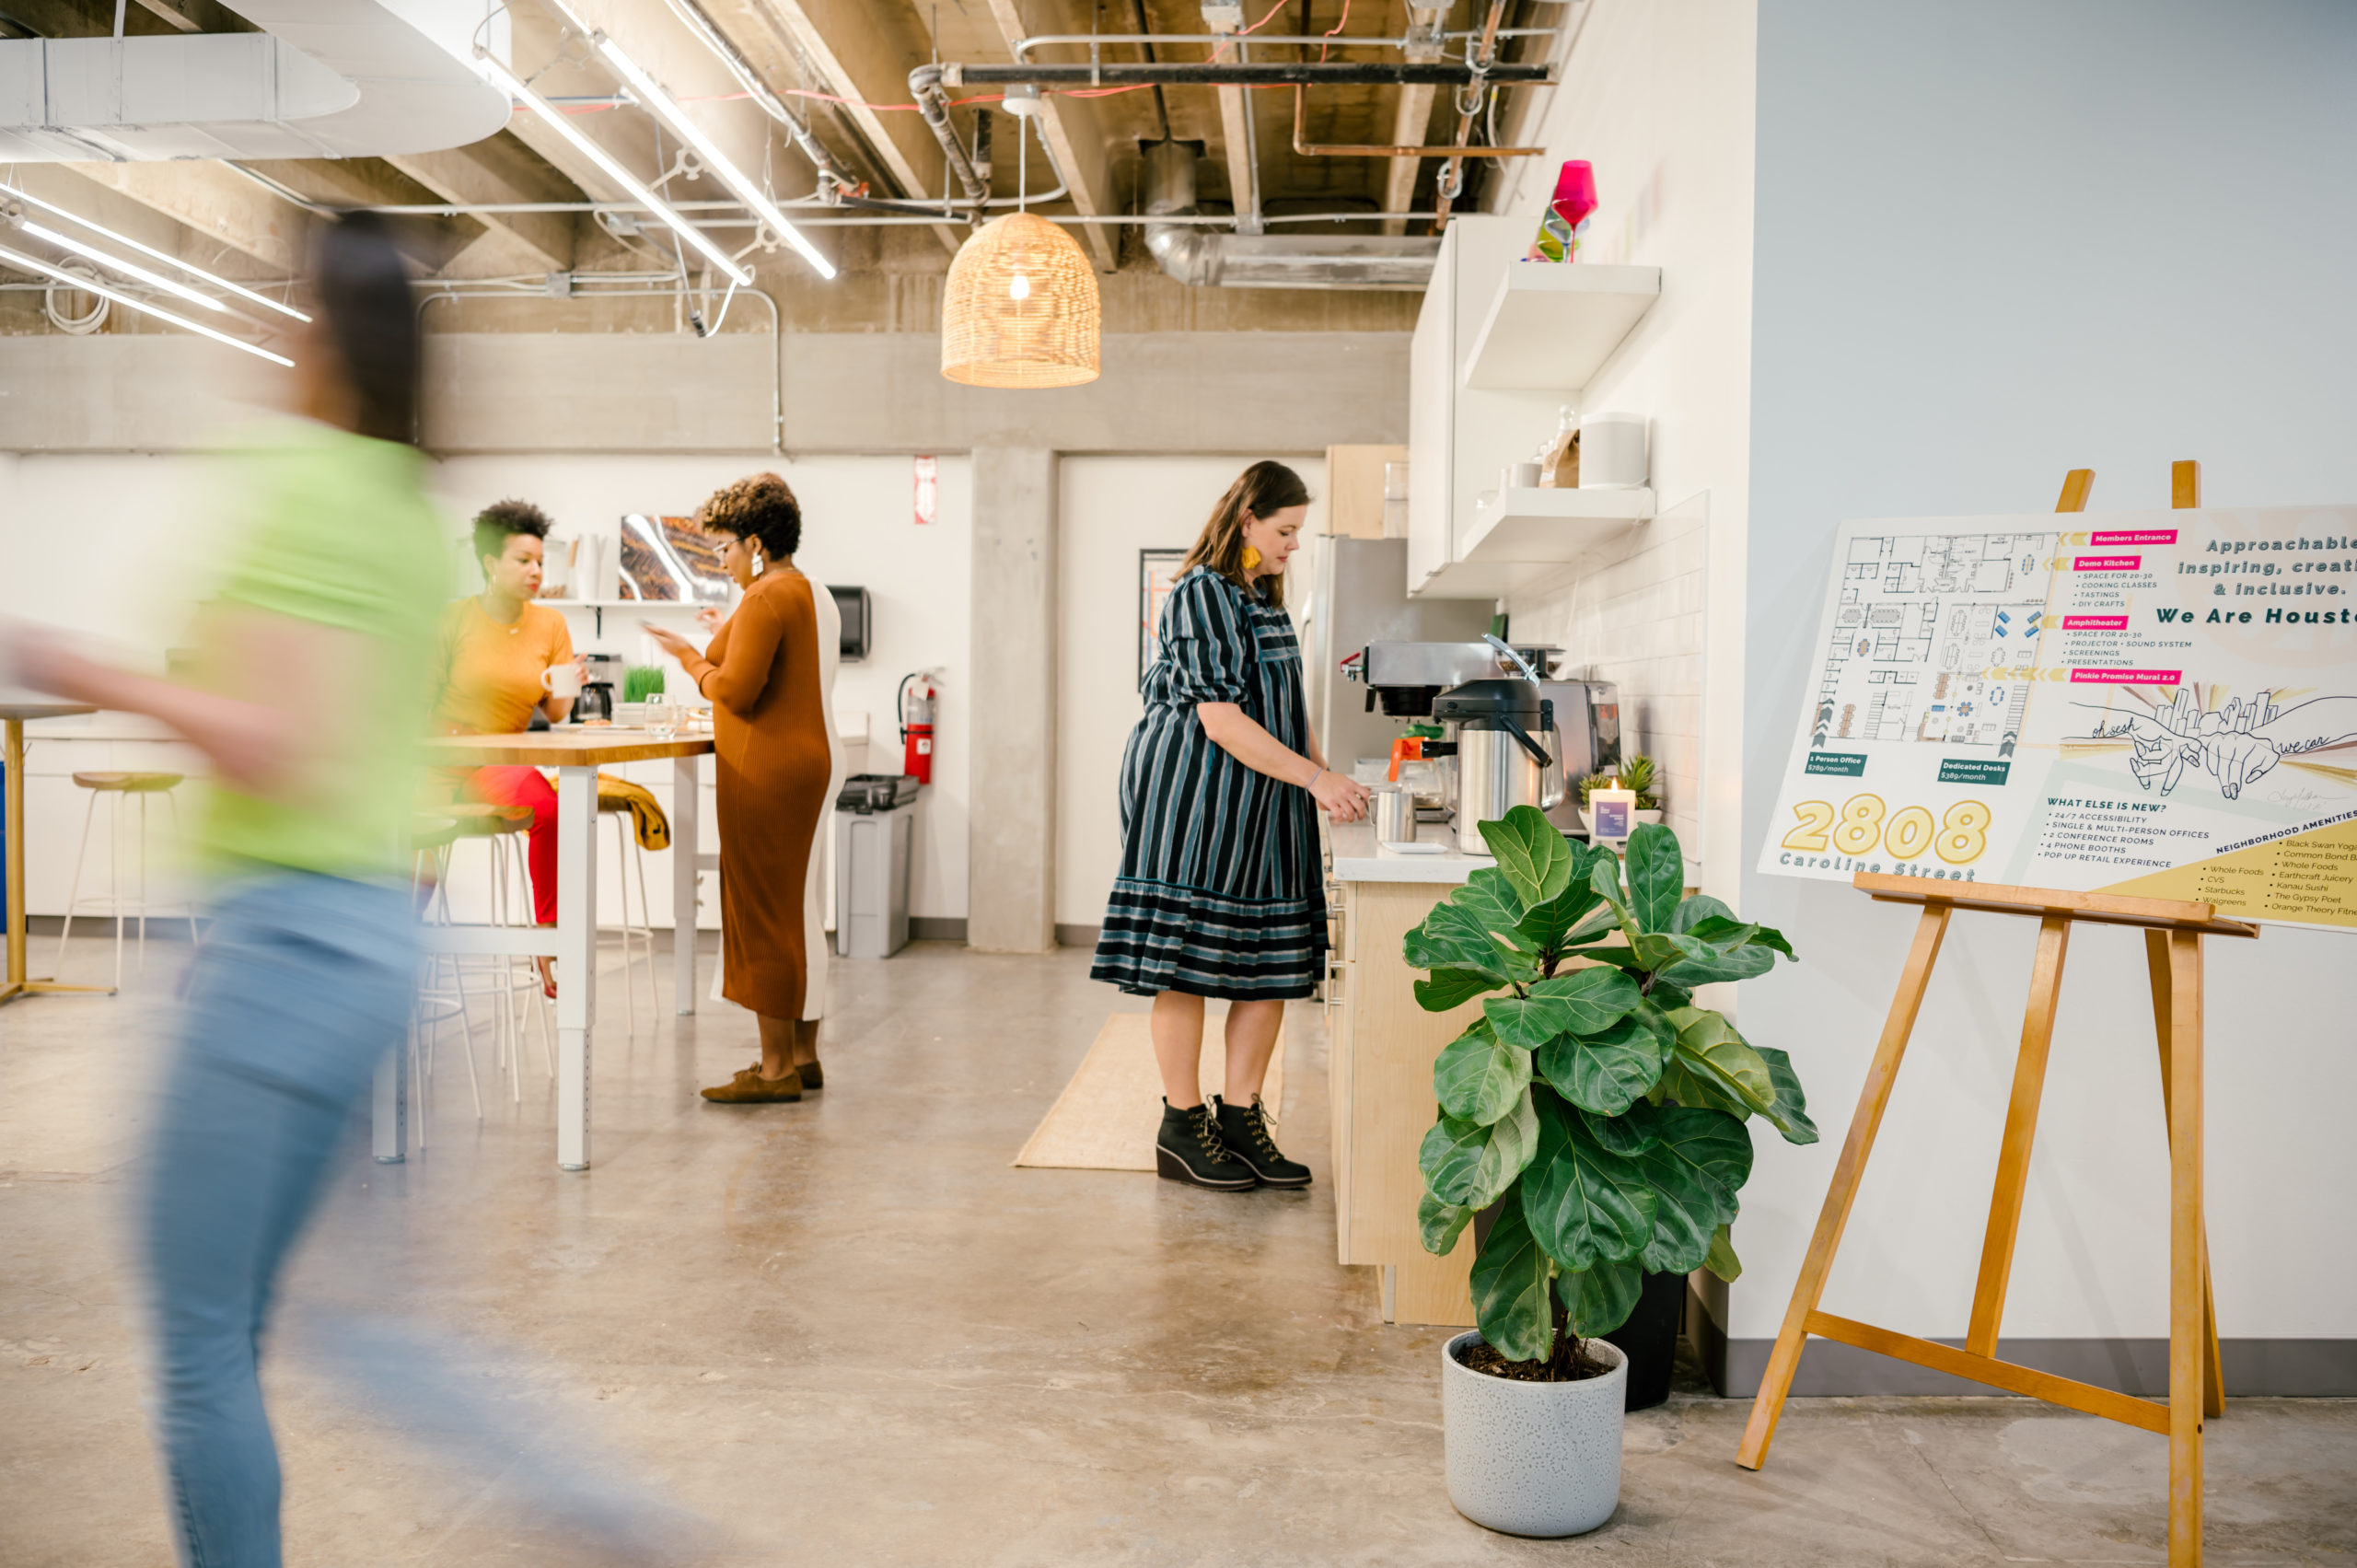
column 1380, row 1066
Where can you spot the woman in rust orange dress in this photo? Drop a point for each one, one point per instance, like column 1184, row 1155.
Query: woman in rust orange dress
column 761, row 673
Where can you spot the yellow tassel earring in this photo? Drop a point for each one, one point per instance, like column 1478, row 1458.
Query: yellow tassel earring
column 1251, row 558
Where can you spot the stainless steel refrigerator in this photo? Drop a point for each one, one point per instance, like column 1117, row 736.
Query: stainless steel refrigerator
column 1359, row 594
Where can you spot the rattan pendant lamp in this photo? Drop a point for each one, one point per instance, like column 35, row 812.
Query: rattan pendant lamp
column 1021, row 307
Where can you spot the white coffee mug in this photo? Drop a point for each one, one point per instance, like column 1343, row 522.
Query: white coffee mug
column 562, row 681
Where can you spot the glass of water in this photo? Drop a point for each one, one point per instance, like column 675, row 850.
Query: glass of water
column 662, row 715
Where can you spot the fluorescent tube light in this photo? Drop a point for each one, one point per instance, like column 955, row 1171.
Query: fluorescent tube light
column 149, row 250
column 615, row 171
column 129, row 269
column 650, row 93
column 33, row 264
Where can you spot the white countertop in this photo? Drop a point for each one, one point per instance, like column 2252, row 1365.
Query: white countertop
column 1358, row 858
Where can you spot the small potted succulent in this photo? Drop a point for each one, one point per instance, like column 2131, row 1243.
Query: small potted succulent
column 1597, row 1115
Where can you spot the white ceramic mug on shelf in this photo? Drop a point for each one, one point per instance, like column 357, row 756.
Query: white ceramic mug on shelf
column 562, row 681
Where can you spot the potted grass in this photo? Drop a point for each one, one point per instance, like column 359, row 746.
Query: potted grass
column 1635, row 773
column 1598, row 1116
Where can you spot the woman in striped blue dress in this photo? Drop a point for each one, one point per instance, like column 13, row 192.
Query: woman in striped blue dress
column 1221, row 891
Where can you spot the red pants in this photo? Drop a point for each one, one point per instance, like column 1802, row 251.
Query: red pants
column 527, row 786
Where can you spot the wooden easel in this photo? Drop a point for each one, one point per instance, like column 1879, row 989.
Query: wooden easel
column 2173, row 934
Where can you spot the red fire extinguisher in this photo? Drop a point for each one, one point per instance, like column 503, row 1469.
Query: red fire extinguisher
column 914, row 703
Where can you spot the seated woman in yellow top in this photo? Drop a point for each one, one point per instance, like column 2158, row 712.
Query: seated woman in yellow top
column 494, row 651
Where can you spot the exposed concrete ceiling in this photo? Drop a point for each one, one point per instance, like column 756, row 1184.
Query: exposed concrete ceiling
column 842, row 66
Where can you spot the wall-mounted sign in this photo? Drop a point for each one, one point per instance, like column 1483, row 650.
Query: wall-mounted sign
column 928, row 489
column 2160, row 704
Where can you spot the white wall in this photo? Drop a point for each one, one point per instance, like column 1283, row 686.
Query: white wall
column 1995, row 244
column 1657, row 94
column 1110, row 509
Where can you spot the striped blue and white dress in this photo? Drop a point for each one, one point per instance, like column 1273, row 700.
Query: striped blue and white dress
column 1220, row 892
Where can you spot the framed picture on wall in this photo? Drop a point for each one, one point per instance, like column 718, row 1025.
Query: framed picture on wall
column 667, row 558
column 1157, row 570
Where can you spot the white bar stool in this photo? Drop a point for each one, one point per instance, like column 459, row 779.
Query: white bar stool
column 115, row 789
column 428, row 845
column 514, row 984
column 631, row 858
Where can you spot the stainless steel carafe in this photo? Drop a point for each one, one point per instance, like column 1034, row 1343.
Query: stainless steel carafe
column 1503, row 753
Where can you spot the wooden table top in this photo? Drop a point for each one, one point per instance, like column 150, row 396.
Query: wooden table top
column 563, row 747
column 12, row 708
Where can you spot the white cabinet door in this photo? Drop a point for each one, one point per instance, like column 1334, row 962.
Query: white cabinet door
column 1432, row 402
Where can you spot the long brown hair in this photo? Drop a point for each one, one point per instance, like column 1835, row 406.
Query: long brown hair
column 1259, row 490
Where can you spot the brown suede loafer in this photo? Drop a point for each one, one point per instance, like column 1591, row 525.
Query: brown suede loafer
column 812, row 1077
column 748, row 1087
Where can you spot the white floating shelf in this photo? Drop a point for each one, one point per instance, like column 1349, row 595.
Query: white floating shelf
column 1552, row 323
column 1520, row 530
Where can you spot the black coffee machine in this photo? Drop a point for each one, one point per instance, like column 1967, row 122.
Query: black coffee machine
column 601, row 679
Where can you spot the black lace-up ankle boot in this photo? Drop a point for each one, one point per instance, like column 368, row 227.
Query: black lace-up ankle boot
column 1189, row 1149
column 1245, row 1129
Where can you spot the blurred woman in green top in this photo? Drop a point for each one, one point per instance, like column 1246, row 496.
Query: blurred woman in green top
column 313, row 694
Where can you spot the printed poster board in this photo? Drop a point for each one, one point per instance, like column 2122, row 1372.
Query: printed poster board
column 2157, row 703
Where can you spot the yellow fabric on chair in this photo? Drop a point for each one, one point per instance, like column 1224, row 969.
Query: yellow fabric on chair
column 646, row 818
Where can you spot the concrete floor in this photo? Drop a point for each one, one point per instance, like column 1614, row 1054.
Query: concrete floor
column 848, row 1332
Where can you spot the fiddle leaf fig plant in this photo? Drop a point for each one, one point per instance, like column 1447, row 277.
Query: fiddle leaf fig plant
column 1591, row 1100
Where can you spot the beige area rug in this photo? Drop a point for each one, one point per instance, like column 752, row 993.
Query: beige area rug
column 1108, row 1114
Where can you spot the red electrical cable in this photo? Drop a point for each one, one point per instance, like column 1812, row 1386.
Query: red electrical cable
column 1338, row 27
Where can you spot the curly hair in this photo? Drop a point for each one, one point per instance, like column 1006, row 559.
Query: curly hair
column 497, row 522
column 760, row 508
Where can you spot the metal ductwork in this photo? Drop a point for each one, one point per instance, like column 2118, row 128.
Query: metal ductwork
column 1203, row 257
column 324, row 78
column 925, row 86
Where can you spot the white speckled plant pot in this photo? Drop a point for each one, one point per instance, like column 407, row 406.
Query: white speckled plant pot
column 1532, row 1458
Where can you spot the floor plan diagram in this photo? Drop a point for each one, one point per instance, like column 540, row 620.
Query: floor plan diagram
column 1933, row 639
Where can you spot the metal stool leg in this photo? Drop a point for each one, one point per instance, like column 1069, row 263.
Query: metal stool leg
column 114, row 878
column 142, row 882
column 622, row 841
column 180, row 837
column 74, row 889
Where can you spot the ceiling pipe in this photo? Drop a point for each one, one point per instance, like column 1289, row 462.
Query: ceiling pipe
column 1249, row 216
column 831, row 175
column 1202, row 258
column 1257, row 74
column 925, row 86
column 1318, row 149
column 1452, row 173
column 1023, row 46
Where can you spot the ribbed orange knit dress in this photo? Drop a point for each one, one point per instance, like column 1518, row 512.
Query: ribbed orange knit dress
column 770, row 731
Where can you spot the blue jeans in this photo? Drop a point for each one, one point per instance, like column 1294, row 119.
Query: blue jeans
column 303, row 982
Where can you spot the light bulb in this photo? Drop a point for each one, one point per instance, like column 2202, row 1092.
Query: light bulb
column 1018, row 287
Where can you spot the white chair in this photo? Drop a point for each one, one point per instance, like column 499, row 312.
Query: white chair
column 116, row 789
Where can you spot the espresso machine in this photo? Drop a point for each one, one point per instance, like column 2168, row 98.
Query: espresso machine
column 1474, row 690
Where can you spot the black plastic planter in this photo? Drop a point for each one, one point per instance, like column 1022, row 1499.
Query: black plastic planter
column 1650, row 1339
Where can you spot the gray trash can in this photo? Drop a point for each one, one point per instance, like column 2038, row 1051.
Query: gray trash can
column 872, row 879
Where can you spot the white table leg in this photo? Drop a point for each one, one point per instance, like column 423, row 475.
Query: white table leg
column 389, row 1107
column 576, row 944
column 686, row 805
